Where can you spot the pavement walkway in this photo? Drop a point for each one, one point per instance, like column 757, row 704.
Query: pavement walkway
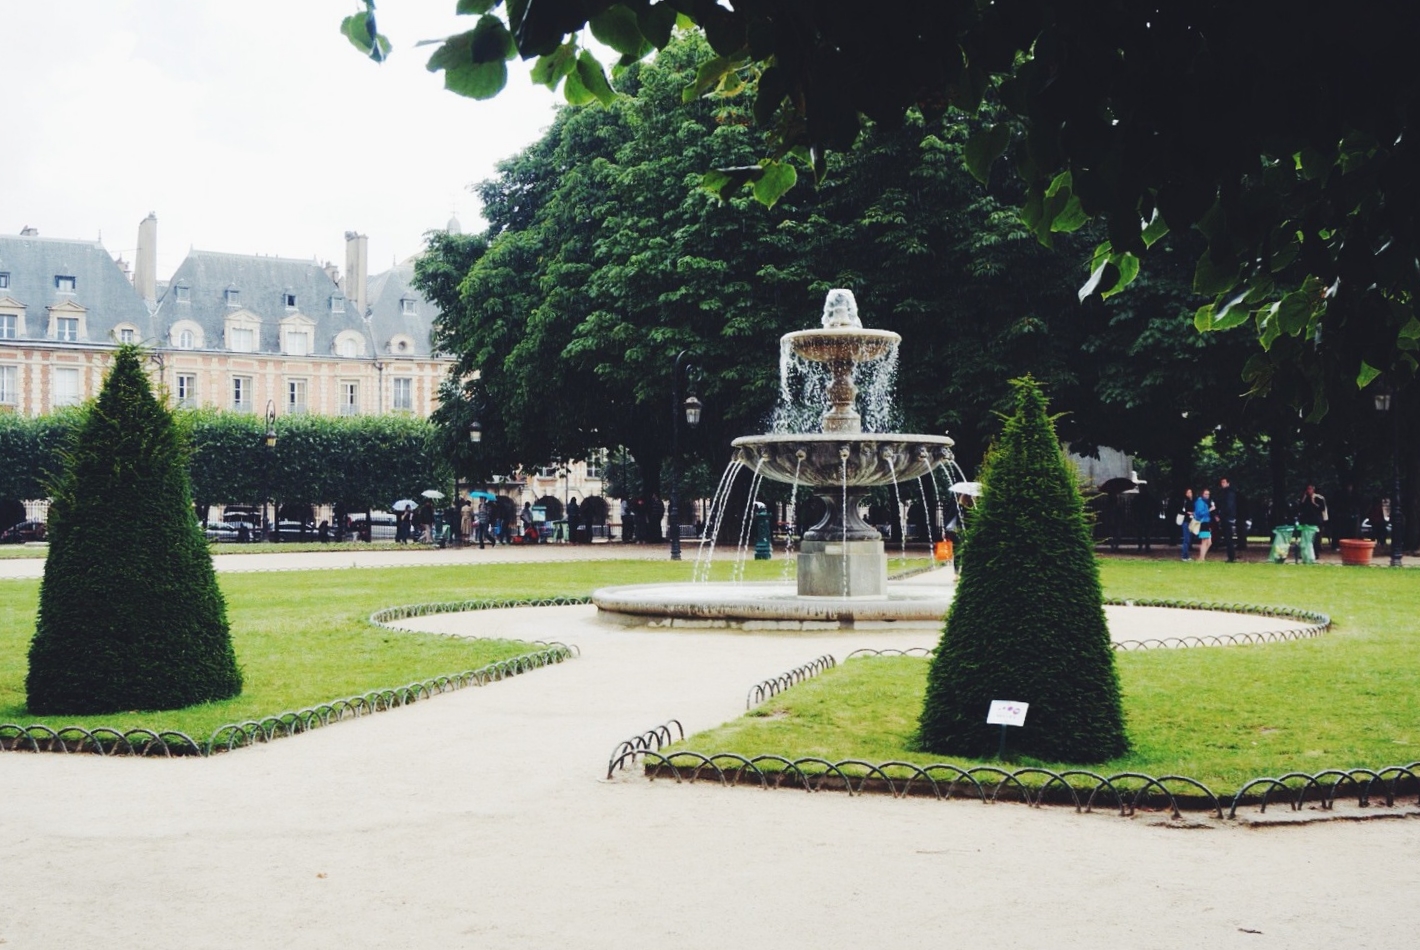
column 482, row 819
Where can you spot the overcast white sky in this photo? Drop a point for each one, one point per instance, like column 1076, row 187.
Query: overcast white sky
column 248, row 126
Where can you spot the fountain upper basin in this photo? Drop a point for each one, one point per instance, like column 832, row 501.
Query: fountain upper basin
column 842, row 459
column 838, row 344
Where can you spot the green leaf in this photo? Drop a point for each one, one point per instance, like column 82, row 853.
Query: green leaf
column 1155, row 229
column 1269, row 328
column 1071, row 218
column 1203, row 318
column 724, row 182
column 589, row 71
column 575, row 92
column 656, row 23
column 984, row 147
column 1411, row 330
column 1293, row 312
column 359, row 29
column 707, row 77
column 1061, row 181
column 1102, row 279
column 1234, row 314
column 616, row 26
column 777, row 179
column 1212, row 278
column 1128, row 266
column 492, row 41
column 1367, row 373
column 477, row 80
column 466, row 7
column 549, row 70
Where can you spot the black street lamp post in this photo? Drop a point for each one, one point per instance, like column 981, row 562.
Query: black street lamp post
column 268, row 440
column 1386, row 404
column 680, row 371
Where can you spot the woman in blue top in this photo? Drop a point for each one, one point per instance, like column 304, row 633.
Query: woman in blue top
column 1203, row 514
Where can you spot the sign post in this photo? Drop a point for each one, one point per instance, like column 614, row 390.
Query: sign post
column 1003, row 713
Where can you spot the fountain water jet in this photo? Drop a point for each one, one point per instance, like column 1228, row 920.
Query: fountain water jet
column 842, row 564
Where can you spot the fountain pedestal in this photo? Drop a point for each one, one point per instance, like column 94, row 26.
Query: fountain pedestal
column 842, row 569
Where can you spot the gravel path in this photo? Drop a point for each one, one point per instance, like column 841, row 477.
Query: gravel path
column 481, row 819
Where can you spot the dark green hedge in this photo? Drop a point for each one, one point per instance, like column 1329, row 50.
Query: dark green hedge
column 1027, row 623
column 130, row 615
column 358, row 462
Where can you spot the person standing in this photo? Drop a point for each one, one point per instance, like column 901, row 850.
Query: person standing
column 1311, row 510
column 1203, row 514
column 481, row 528
column 525, row 519
column 1227, row 522
column 1184, row 516
column 573, row 516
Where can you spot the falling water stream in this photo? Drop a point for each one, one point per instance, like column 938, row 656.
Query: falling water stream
column 705, row 557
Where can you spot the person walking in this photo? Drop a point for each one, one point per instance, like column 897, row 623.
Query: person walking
column 1183, row 518
column 1227, row 521
column 1203, row 514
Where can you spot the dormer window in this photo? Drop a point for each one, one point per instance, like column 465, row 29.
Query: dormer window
column 64, row 284
column 234, row 297
column 337, row 304
column 66, row 329
column 4, row 280
column 407, row 306
column 186, row 340
column 183, row 293
column 127, row 335
column 290, row 301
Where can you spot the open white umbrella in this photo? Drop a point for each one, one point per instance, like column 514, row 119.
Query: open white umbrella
column 431, row 493
column 405, row 504
column 966, row 488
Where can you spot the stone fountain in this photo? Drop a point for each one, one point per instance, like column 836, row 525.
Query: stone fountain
column 842, row 564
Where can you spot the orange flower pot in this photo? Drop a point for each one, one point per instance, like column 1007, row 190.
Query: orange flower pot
column 1356, row 551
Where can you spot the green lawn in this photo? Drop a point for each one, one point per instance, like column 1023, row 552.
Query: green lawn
column 302, row 637
column 1221, row 715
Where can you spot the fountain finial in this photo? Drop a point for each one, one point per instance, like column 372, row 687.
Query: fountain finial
column 840, row 309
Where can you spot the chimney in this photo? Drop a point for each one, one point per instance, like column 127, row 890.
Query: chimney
column 28, row 231
column 145, row 260
column 332, row 272
column 356, row 269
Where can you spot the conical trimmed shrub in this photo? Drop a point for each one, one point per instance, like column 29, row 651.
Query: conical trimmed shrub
column 1027, row 623
column 130, row 616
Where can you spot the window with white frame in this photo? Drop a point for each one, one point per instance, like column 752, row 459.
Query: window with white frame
column 9, row 385
column 403, row 394
column 296, row 395
column 241, row 339
column 9, row 326
column 4, row 280
column 183, row 293
column 66, row 387
column 127, row 335
column 186, row 340
column 186, row 390
column 290, row 301
column 407, row 306
column 596, row 463
column 64, row 283
column 234, row 297
column 349, row 397
column 337, row 304
column 348, row 347
column 298, row 343
column 241, row 393
column 66, row 329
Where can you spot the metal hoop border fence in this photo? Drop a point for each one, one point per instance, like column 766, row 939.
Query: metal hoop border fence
column 1316, row 624
column 659, row 736
column 106, row 740
column 1084, row 789
column 769, row 688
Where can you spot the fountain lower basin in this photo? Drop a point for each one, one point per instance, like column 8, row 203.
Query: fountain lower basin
column 773, row 606
column 832, row 459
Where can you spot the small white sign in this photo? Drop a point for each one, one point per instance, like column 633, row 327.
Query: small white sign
column 1007, row 712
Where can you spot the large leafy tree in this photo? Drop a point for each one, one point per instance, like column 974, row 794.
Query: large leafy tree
column 1285, row 144
column 130, row 615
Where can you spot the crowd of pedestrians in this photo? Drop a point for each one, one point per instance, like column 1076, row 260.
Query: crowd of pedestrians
column 1204, row 518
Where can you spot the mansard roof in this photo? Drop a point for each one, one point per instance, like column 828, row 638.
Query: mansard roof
column 389, row 317
column 198, row 291
column 33, row 263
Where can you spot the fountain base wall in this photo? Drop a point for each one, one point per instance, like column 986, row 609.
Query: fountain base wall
column 842, row 569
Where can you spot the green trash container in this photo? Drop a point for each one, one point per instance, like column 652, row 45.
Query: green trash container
column 1281, row 542
column 1308, row 542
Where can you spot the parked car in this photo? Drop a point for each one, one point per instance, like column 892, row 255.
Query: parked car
column 382, row 525
column 22, row 532
column 223, row 531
